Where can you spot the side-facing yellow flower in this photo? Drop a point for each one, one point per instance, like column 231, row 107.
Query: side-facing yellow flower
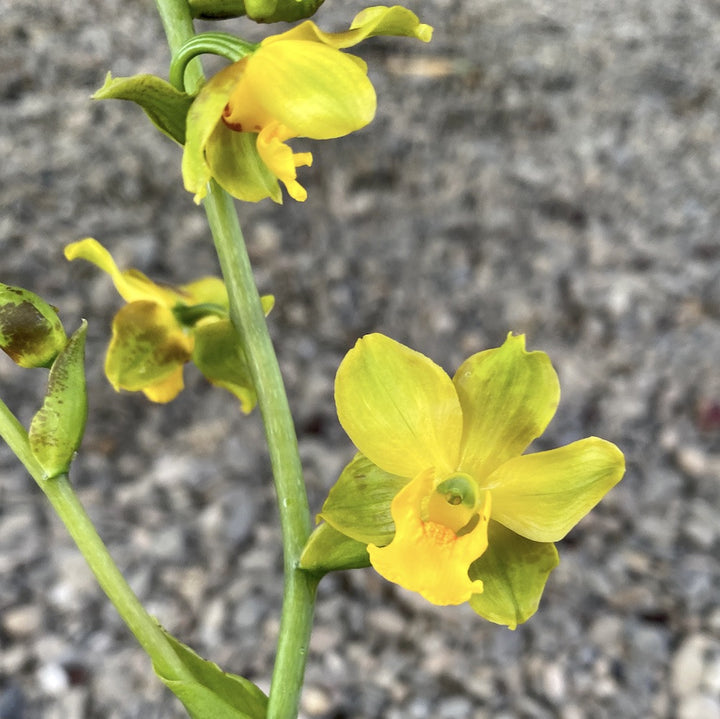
column 162, row 327
column 472, row 518
column 296, row 84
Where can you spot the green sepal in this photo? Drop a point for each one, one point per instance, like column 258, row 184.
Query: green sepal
column 257, row 10
column 328, row 550
column 57, row 428
column 166, row 106
column 219, row 355
column 212, row 693
column 514, row 571
column 358, row 505
column 30, row 330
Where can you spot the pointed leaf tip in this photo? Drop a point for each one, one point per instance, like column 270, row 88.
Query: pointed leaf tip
column 57, row 428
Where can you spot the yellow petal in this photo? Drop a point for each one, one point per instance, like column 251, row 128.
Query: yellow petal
column 203, row 117
column 313, row 90
column 147, row 347
column 508, row 396
column 372, row 21
column 398, row 407
column 132, row 285
column 167, row 389
column 543, row 496
column 427, row 557
column 281, row 161
column 206, row 289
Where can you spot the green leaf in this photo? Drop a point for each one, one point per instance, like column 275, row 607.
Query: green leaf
column 358, row 505
column 213, row 693
column 166, row 106
column 328, row 550
column 514, row 571
column 57, row 428
column 30, row 330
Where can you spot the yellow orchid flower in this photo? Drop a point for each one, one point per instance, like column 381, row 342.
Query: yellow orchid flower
column 470, row 517
column 162, row 327
column 296, row 84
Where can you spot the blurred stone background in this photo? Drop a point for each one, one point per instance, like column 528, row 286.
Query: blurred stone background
column 543, row 166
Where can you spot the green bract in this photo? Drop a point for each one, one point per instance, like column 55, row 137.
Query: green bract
column 211, row 693
column 163, row 104
column 30, row 330
column 258, row 10
column 57, row 428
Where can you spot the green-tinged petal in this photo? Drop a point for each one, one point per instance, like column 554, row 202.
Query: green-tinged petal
column 166, row 389
column 358, row 505
column 210, row 290
column 166, row 106
column 147, row 348
column 219, row 355
column 204, row 115
column 427, row 557
column 328, row 550
column 508, row 396
column 514, row 571
column 543, row 496
column 313, row 90
column 398, row 407
column 132, row 285
column 30, row 330
column 372, row 21
column 233, row 160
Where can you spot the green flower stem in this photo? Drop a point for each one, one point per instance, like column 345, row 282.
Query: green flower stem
column 65, row 502
column 178, row 25
column 217, row 43
column 247, row 315
column 248, row 318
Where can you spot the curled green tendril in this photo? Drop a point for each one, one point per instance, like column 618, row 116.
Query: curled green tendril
column 213, row 43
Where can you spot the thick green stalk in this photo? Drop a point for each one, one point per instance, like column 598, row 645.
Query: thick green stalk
column 247, row 316
column 65, row 502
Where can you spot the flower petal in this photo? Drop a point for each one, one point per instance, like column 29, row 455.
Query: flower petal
column 508, row 396
column 206, row 290
column 219, row 355
column 313, row 90
column 372, row 21
column 514, row 571
column 398, row 407
column 358, row 505
column 147, row 347
column 132, row 285
column 543, row 496
column 233, row 160
column 282, row 161
column 204, row 115
column 166, row 389
column 426, row 557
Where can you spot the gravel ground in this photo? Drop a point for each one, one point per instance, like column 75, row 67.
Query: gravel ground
column 549, row 167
